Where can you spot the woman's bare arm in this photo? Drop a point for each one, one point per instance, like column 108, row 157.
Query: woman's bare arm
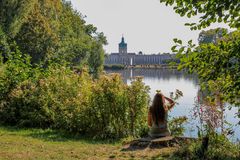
column 172, row 103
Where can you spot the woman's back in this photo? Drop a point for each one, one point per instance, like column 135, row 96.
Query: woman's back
column 158, row 116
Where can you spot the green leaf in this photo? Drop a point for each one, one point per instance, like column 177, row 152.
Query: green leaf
column 175, row 40
column 181, row 50
column 173, row 48
column 179, row 42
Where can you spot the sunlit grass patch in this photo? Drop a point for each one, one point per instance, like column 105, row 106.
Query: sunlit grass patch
column 50, row 144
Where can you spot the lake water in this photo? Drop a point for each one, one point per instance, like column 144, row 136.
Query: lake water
column 168, row 80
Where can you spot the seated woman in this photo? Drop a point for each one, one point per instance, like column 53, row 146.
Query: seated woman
column 157, row 116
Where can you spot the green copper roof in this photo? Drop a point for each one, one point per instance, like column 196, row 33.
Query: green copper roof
column 122, row 44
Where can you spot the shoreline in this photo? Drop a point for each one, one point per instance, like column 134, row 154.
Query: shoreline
column 119, row 67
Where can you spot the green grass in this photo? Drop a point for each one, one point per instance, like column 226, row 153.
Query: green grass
column 49, row 144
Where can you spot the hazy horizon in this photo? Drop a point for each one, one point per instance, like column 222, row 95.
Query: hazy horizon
column 147, row 25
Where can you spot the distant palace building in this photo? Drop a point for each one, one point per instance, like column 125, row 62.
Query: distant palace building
column 125, row 58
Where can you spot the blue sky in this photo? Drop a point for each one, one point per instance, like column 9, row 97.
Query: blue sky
column 147, row 25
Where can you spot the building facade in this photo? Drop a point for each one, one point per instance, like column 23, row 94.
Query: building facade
column 131, row 59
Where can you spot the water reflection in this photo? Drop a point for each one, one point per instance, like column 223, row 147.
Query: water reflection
column 160, row 74
column 168, row 80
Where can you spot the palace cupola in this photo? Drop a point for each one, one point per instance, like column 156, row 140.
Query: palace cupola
column 122, row 46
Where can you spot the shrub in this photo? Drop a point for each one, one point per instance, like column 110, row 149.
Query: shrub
column 108, row 109
column 15, row 70
column 219, row 147
column 59, row 98
column 50, row 102
column 138, row 106
column 176, row 125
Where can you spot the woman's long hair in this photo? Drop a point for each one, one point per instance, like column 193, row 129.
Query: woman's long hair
column 157, row 109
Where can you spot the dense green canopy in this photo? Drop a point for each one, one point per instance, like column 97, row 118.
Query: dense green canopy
column 47, row 29
column 217, row 58
column 211, row 11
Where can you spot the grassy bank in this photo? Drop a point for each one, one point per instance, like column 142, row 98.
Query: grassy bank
column 48, row 144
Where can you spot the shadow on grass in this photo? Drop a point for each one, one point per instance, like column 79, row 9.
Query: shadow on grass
column 54, row 135
column 162, row 157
